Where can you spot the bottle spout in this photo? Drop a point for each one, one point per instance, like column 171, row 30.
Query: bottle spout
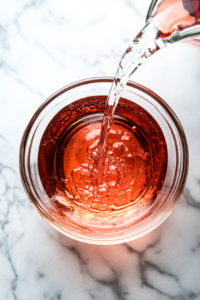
column 183, row 35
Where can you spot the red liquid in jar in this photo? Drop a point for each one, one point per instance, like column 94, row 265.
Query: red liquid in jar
column 132, row 170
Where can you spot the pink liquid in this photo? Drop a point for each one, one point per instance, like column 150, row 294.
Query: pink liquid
column 132, row 166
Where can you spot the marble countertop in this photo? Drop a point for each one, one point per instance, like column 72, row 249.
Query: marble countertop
column 44, row 46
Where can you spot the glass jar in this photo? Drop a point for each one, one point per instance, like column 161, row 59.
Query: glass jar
column 177, row 164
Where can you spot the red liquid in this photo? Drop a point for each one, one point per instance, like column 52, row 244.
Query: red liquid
column 132, row 168
column 174, row 15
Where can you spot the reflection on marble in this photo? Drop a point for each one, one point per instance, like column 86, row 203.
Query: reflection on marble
column 44, row 46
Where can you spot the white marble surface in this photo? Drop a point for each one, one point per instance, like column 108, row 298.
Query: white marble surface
column 44, row 46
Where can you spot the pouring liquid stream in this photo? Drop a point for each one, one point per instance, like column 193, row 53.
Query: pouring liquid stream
column 141, row 48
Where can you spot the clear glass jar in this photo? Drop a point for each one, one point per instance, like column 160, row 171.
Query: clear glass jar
column 177, row 167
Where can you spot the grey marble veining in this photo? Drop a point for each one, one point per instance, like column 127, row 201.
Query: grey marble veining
column 45, row 45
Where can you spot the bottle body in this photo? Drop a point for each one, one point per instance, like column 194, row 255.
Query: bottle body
column 177, row 20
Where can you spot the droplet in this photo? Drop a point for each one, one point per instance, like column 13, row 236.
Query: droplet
column 134, row 129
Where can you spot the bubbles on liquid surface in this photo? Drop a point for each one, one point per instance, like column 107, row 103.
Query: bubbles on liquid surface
column 131, row 173
column 122, row 174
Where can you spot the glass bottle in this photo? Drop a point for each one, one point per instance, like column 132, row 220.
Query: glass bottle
column 176, row 20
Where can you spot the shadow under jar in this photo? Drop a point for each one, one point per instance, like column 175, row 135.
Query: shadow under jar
column 145, row 163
